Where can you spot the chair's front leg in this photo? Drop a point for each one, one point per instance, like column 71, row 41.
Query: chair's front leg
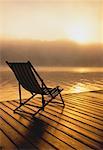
column 21, row 104
column 61, row 98
column 60, row 95
column 17, row 108
column 43, row 102
column 20, row 93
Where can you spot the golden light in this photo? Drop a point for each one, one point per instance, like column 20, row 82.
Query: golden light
column 79, row 87
column 81, row 32
column 46, row 20
column 84, row 69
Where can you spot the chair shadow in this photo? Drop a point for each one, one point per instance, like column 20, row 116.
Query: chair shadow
column 36, row 128
column 35, row 131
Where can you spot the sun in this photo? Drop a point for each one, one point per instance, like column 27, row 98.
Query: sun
column 79, row 32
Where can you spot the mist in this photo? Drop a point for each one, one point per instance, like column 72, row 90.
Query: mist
column 52, row 53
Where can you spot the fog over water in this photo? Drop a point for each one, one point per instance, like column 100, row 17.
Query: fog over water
column 52, row 53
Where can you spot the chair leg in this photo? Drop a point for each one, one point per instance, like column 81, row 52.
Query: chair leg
column 61, row 99
column 17, row 108
column 21, row 104
column 19, row 98
column 43, row 102
column 20, row 93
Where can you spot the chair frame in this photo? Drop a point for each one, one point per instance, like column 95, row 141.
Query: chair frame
column 56, row 89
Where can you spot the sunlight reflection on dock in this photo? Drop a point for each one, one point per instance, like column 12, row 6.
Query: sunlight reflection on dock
column 79, row 87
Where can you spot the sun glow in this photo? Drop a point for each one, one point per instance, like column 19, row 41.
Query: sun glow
column 78, row 34
column 80, row 21
column 83, row 32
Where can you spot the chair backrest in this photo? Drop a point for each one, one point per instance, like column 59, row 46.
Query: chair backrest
column 26, row 76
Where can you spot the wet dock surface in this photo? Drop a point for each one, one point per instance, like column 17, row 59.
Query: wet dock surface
column 79, row 125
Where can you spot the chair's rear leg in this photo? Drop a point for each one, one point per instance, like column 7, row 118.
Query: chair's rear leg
column 43, row 102
column 61, row 99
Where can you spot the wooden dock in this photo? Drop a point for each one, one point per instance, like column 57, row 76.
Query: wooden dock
column 78, row 126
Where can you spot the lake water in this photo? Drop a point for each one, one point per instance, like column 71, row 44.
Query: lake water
column 71, row 79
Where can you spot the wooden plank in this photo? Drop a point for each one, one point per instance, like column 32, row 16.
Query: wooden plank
column 85, row 111
column 90, row 97
column 82, row 104
column 80, row 115
column 6, row 142
column 94, row 96
column 56, row 112
column 78, row 126
column 22, row 126
column 12, row 133
column 52, row 137
column 52, row 126
column 86, row 104
column 70, row 131
column 83, row 99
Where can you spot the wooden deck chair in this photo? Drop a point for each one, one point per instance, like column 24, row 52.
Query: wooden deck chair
column 30, row 80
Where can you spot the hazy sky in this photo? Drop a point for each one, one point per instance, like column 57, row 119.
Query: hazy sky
column 78, row 20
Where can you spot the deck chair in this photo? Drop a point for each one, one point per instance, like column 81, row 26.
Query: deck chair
column 30, row 80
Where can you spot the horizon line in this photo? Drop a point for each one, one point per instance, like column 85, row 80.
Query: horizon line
column 49, row 40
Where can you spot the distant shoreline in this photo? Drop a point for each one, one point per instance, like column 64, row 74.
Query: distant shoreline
column 62, row 69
